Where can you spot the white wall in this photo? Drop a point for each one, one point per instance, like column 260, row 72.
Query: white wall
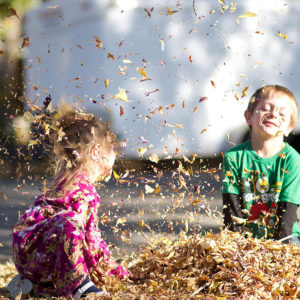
column 182, row 54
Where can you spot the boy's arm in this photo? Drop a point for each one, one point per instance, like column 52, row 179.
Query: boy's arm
column 232, row 208
column 287, row 213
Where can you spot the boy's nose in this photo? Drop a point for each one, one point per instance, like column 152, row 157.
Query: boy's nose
column 275, row 112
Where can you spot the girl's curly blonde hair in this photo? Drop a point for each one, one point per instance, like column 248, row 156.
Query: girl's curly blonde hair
column 75, row 135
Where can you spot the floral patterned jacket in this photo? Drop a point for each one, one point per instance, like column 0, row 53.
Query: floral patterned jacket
column 57, row 242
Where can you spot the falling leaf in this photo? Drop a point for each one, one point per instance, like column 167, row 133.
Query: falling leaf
column 171, row 12
column 203, row 130
column 79, row 46
column 116, row 175
column 213, row 83
column 190, row 59
column 196, row 109
column 157, row 189
column 26, row 42
column 202, row 99
column 154, row 157
column 127, row 61
column 175, row 125
column 148, row 93
column 233, row 7
column 149, row 189
column 281, row 35
column 162, row 44
column 122, row 95
column 4, row 196
column 12, row 12
column 148, row 11
column 248, row 14
column 106, row 82
column 121, row 221
column 244, row 92
column 121, row 111
column 111, row 56
column 142, row 71
column 98, row 42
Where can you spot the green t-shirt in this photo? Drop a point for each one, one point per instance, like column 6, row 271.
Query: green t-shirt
column 262, row 183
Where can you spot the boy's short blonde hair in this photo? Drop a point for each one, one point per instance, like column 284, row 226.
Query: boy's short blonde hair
column 265, row 92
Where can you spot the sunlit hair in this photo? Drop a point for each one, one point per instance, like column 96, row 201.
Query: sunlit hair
column 265, row 92
column 75, row 135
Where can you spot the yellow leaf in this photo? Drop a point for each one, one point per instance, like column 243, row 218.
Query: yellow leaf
column 116, row 175
column 157, row 190
column 106, row 82
column 28, row 116
column 98, row 42
column 149, row 189
column 143, row 72
column 32, row 143
column 248, row 14
column 153, row 157
column 244, row 92
column 171, row 12
column 122, row 95
column 127, row 61
column 162, row 45
column 281, row 35
column 79, row 98
column 121, row 221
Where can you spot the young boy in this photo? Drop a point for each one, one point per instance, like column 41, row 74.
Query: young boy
column 261, row 177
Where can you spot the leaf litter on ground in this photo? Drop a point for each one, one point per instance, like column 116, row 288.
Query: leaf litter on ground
column 226, row 265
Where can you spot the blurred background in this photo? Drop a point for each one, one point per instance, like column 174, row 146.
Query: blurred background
column 172, row 77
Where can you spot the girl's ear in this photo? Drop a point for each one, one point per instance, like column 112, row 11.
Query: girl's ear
column 248, row 117
column 96, row 152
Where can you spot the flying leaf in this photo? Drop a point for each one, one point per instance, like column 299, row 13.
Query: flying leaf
column 12, row 12
column 26, row 42
column 171, row 12
column 162, row 44
column 122, row 95
column 98, row 42
column 127, row 61
column 281, row 35
column 244, row 92
column 149, row 189
column 121, row 111
column 111, row 56
column 106, row 82
column 153, row 157
column 143, row 72
column 116, row 175
column 248, row 14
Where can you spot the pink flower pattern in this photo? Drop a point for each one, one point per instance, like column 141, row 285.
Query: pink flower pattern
column 57, row 242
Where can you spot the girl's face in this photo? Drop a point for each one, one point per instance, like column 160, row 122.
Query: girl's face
column 271, row 116
column 103, row 159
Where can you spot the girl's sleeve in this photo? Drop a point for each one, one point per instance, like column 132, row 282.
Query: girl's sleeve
column 98, row 252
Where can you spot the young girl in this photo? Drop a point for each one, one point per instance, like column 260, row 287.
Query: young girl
column 57, row 244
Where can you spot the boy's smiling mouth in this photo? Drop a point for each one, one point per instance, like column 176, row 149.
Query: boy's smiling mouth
column 270, row 122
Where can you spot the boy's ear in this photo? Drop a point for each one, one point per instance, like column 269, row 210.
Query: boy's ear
column 248, row 116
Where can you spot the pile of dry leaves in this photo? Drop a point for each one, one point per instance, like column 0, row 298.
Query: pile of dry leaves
column 225, row 265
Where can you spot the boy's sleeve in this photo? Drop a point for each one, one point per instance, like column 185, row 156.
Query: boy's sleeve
column 230, row 183
column 291, row 183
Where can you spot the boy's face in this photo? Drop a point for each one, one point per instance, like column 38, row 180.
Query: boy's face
column 271, row 116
